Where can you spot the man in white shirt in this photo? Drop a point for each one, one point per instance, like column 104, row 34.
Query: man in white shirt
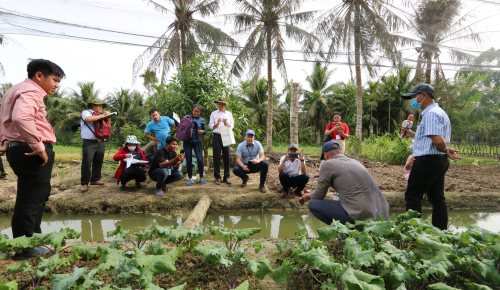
column 219, row 119
column 292, row 171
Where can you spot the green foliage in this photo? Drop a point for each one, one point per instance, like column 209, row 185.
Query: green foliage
column 402, row 254
column 387, row 148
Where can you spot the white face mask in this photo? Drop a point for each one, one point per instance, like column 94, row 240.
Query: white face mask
column 131, row 148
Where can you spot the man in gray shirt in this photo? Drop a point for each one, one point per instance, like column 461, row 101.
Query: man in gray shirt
column 360, row 197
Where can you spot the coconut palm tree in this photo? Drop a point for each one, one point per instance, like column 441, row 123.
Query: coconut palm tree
column 315, row 101
column 267, row 22
column 150, row 80
column 361, row 27
column 436, row 25
column 255, row 97
column 185, row 37
column 79, row 100
column 129, row 106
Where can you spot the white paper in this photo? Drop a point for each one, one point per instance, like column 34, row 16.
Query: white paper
column 176, row 117
column 132, row 160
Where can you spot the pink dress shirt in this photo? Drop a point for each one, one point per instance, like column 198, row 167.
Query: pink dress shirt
column 23, row 116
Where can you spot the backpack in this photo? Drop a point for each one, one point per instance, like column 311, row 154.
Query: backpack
column 102, row 128
column 185, row 129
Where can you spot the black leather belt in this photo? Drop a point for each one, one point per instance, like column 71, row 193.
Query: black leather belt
column 21, row 143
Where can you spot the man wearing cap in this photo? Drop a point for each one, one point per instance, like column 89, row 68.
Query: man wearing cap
column 250, row 158
column 431, row 155
column 159, row 126
column 26, row 137
column 219, row 119
column 292, row 171
column 93, row 149
column 359, row 196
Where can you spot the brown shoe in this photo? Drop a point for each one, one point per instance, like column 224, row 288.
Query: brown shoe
column 217, row 181
column 262, row 189
column 97, row 182
column 283, row 193
column 84, row 188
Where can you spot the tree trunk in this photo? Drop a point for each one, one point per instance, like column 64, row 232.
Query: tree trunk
column 269, row 131
column 183, row 46
column 359, row 85
column 294, row 114
column 428, row 68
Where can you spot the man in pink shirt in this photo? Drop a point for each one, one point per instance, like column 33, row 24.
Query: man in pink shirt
column 27, row 138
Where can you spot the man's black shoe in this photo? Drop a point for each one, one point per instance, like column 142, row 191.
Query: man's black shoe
column 217, row 181
column 298, row 192
column 262, row 188
column 123, row 187
column 30, row 253
column 244, row 183
column 227, row 181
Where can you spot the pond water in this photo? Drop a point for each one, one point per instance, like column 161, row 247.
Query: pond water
column 280, row 225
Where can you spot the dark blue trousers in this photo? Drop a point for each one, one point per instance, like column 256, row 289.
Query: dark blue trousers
column 327, row 210
column 164, row 175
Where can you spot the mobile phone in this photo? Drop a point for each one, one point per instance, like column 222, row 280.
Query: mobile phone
column 182, row 151
column 293, row 155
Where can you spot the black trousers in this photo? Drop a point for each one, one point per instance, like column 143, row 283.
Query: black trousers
column 92, row 160
column 217, row 149
column 33, row 188
column 261, row 167
column 298, row 181
column 133, row 173
column 427, row 176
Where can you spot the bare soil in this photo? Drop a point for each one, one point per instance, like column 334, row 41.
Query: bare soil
column 467, row 187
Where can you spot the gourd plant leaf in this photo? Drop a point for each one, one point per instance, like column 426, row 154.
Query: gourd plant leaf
column 48, row 265
column 110, row 258
column 152, row 286
column 354, row 279
column 356, row 255
column 260, row 268
column 16, row 244
column 84, row 252
column 282, row 274
column 440, row 286
column 66, row 281
column 437, row 266
column 334, row 230
column 178, row 287
column 11, row 285
column 243, row 286
column 319, row 258
column 156, row 264
column 214, row 254
column 58, row 239
column 89, row 282
column 396, row 254
column 24, row 266
column 379, row 228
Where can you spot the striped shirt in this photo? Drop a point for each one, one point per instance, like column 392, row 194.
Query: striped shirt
column 434, row 121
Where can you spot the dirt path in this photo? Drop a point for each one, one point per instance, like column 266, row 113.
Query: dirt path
column 467, row 187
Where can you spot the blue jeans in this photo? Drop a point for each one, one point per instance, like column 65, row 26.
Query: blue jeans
column 327, row 210
column 164, row 176
column 188, row 148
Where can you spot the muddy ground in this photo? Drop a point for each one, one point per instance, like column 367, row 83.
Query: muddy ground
column 467, row 187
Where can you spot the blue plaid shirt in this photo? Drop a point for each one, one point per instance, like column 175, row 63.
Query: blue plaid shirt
column 434, row 121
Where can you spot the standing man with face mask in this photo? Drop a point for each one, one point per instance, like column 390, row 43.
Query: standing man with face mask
column 27, row 137
column 431, row 155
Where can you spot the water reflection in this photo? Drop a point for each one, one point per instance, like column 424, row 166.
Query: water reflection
column 276, row 225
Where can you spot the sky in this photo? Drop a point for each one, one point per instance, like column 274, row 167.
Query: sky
column 109, row 62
